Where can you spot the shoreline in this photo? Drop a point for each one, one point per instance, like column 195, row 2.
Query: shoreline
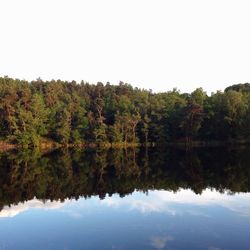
column 6, row 146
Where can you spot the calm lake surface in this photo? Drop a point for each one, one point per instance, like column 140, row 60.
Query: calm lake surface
column 125, row 199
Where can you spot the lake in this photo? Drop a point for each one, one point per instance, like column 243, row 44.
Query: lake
column 155, row 198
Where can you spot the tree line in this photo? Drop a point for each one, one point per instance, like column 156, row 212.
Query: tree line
column 78, row 113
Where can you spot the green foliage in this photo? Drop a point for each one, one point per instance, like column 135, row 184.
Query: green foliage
column 67, row 112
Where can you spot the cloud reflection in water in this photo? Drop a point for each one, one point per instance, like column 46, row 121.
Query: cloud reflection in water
column 153, row 202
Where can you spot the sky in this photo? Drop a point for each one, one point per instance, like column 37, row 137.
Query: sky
column 151, row 44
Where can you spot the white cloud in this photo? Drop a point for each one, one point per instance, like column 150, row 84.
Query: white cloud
column 13, row 210
column 163, row 201
column 160, row 242
column 213, row 248
column 154, row 202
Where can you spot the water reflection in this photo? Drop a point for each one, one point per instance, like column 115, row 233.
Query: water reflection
column 156, row 220
column 152, row 202
column 168, row 202
column 13, row 210
column 125, row 199
column 72, row 174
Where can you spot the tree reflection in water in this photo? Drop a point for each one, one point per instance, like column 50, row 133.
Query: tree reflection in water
column 65, row 174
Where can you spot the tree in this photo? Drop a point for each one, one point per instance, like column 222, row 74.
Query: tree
column 192, row 119
column 63, row 128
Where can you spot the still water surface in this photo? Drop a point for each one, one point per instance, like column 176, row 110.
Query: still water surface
column 133, row 199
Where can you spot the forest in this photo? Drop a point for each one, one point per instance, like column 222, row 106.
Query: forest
column 70, row 113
